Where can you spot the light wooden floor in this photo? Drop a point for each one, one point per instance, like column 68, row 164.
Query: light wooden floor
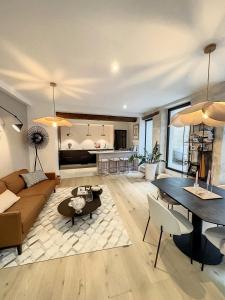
column 119, row 273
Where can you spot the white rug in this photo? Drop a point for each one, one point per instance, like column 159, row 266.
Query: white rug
column 53, row 235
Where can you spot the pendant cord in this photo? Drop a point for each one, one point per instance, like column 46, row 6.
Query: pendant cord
column 53, row 98
column 207, row 91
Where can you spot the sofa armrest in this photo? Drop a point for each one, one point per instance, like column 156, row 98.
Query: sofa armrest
column 51, row 175
column 10, row 229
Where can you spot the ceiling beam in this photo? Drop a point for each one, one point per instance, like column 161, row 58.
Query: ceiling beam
column 150, row 116
column 95, row 117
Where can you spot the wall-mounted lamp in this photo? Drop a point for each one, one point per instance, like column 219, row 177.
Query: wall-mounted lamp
column 16, row 126
column 88, row 131
column 68, row 134
column 103, row 130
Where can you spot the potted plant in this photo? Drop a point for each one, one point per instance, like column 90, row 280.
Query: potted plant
column 150, row 160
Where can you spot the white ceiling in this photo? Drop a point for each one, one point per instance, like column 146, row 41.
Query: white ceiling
column 158, row 45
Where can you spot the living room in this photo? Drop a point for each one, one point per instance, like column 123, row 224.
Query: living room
column 112, row 138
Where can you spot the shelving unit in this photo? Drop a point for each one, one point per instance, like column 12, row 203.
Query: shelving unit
column 200, row 150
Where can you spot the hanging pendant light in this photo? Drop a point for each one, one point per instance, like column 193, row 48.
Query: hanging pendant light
column 103, row 130
column 207, row 112
column 88, row 131
column 53, row 121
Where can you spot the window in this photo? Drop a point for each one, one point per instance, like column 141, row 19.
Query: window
column 177, row 143
column 148, row 135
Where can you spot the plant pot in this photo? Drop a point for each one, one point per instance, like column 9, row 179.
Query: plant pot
column 150, row 171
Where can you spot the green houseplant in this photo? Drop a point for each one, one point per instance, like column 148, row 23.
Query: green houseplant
column 150, row 160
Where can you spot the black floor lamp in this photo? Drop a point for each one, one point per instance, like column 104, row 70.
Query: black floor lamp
column 37, row 138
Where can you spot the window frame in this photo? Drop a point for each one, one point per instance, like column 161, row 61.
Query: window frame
column 168, row 133
column 147, row 120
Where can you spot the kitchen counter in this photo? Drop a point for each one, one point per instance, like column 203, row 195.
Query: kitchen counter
column 105, row 151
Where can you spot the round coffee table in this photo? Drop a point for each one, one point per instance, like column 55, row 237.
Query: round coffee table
column 67, row 211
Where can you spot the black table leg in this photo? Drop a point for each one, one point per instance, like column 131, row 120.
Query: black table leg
column 184, row 243
column 72, row 219
column 90, row 215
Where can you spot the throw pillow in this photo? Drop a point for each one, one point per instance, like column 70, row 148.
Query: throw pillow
column 7, row 199
column 34, row 178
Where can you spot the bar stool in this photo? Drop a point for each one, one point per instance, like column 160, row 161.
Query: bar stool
column 103, row 166
column 114, row 165
column 135, row 164
column 124, row 164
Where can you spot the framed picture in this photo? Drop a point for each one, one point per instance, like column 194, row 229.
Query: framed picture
column 136, row 131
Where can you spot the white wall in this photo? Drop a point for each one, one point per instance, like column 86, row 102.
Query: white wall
column 79, row 139
column 13, row 147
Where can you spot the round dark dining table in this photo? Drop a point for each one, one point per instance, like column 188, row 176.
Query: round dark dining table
column 212, row 211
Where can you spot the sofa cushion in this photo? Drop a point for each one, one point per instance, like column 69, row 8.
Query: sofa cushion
column 2, row 187
column 7, row 199
column 33, row 178
column 42, row 188
column 14, row 182
column 29, row 207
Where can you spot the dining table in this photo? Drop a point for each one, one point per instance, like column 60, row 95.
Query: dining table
column 211, row 211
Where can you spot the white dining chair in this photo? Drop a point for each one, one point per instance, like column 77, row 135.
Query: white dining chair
column 167, row 199
column 164, row 196
column 216, row 235
column 167, row 220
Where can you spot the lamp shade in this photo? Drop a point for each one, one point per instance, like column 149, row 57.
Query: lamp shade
column 215, row 110
column 17, row 127
column 53, row 121
column 195, row 115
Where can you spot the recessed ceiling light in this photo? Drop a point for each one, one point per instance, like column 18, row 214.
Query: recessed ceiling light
column 124, row 106
column 115, row 67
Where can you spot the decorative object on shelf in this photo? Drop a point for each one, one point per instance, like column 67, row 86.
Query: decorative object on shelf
column 53, row 121
column 211, row 113
column 103, row 130
column 16, row 126
column 136, row 131
column 69, row 145
column 77, row 203
column 150, row 161
column 200, row 145
column 37, row 138
column 88, row 130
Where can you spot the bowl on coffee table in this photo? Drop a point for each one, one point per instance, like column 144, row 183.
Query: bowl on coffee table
column 96, row 190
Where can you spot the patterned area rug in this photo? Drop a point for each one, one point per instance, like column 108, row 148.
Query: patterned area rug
column 53, row 235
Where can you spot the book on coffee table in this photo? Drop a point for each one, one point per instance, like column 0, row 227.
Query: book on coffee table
column 81, row 191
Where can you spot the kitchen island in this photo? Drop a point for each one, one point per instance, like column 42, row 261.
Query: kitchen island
column 109, row 154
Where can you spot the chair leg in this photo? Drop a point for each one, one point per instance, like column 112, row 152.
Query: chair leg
column 188, row 214
column 191, row 244
column 146, row 228
column 204, row 253
column 168, row 206
column 19, row 249
column 157, row 253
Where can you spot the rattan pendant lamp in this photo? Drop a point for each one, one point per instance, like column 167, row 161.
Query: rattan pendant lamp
column 211, row 113
column 53, row 121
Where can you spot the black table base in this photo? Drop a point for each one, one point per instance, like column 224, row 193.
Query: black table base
column 212, row 255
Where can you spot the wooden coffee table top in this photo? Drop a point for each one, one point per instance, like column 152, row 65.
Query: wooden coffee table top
column 67, row 211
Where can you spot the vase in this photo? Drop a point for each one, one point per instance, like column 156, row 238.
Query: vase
column 150, row 171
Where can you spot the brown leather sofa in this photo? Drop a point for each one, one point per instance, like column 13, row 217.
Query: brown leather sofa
column 16, row 221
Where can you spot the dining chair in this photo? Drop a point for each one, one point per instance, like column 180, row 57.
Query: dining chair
column 216, row 235
column 167, row 198
column 167, row 220
column 164, row 196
